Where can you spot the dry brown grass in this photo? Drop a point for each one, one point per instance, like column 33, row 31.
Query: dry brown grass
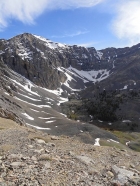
column 6, row 148
column 7, row 123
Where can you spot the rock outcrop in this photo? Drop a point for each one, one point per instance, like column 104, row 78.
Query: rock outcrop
column 40, row 59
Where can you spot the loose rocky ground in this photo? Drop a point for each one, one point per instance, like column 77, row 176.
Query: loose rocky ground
column 31, row 158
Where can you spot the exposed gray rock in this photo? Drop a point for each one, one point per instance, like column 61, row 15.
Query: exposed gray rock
column 47, row 165
column 39, row 151
column 17, row 164
column 40, row 141
column 85, row 160
column 15, row 156
column 122, row 175
column 50, row 144
column 45, row 157
column 33, row 58
column 54, row 138
column 110, row 174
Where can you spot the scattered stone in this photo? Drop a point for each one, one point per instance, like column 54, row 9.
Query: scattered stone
column 40, row 141
column 116, row 183
column 45, row 157
column 47, row 151
column 85, row 160
column 17, row 164
column 30, row 146
column 39, row 151
column 47, row 165
column 110, row 174
column 71, row 153
column 124, row 150
column 33, row 158
column 50, row 144
column 15, row 156
column 66, row 162
column 132, row 165
column 54, row 138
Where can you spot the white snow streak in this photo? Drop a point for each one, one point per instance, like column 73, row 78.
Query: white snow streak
column 34, row 110
column 27, row 116
column 112, row 141
column 50, row 121
column 39, row 106
column 46, row 118
column 29, row 97
column 41, row 128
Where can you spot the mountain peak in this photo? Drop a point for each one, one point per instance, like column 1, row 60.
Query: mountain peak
column 51, row 44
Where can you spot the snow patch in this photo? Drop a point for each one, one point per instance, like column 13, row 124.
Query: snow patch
column 124, row 88
column 50, row 43
column 24, row 52
column 126, row 121
column 100, row 121
column 97, row 142
column 127, row 143
column 91, row 75
column 62, row 101
column 99, row 54
column 84, row 56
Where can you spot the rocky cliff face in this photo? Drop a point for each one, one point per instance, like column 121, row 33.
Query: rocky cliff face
column 37, row 58
column 24, row 55
column 45, row 63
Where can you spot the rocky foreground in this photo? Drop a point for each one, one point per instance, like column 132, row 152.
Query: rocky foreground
column 31, row 158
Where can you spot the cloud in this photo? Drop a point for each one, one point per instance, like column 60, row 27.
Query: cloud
column 88, row 44
column 27, row 10
column 22, row 10
column 126, row 25
column 77, row 33
column 66, row 4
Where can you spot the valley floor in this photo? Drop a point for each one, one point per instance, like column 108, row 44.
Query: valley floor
column 30, row 157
